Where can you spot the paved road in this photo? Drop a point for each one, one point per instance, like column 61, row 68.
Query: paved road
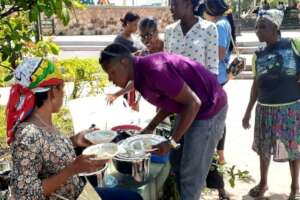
column 90, row 46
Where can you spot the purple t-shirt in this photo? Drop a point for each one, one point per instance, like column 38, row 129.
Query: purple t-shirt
column 160, row 77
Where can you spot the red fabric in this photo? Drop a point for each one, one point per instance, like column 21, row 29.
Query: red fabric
column 131, row 98
column 19, row 107
column 52, row 81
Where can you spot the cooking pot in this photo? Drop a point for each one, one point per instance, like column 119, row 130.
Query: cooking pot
column 100, row 174
column 134, row 163
column 137, row 167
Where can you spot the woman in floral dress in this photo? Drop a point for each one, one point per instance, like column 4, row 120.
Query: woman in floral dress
column 44, row 162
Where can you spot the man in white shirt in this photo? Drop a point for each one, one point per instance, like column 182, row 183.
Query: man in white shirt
column 196, row 38
column 192, row 36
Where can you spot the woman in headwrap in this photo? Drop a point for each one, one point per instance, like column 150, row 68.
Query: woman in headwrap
column 276, row 90
column 44, row 162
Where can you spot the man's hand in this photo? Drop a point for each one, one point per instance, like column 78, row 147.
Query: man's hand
column 110, row 98
column 162, row 148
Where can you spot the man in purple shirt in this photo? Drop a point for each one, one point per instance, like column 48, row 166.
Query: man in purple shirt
column 176, row 84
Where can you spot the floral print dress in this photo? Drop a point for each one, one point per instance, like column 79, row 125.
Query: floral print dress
column 37, row 155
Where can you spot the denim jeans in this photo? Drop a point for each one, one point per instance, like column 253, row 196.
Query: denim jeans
column 191, row 162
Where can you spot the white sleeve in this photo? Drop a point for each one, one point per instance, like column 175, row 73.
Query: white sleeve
column 212, row 49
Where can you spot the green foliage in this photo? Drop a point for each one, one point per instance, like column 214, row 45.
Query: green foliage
column 236, row 174
column 14, row 35
column 63, row 121
column 3, row 143
column 59, row 8
column 83, row 72
column 17, row 19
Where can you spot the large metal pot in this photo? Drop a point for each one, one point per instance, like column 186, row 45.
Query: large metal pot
column 136, row 164
column 98, row 175
column 138, row 168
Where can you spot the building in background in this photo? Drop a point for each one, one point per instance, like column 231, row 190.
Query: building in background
column 127, row 2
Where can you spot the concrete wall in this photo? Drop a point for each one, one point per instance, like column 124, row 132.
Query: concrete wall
column 99, row 20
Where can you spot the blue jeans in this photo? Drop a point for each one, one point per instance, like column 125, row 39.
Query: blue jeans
column 117, row 194
column 191, row 162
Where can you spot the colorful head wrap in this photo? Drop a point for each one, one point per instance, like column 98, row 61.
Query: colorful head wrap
column 273, row 15
column 33, row 75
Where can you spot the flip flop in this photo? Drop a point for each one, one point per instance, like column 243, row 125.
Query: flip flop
column 257, row 191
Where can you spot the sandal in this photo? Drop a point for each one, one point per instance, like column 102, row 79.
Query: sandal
column 257, row 191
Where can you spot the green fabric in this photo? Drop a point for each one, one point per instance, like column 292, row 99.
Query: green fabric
column 49, row 70
column 296, row 45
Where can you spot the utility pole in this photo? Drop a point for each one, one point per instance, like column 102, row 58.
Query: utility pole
column 38, row 29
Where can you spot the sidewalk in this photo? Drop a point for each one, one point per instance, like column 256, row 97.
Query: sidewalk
column 90, row 46
column 97, row 42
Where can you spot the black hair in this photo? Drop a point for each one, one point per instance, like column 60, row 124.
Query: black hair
column 129, row 17
column 113, row 51
column 148, row 22
column 229, row 17
column 221, row 7
column 40, row 98
column 196, row 6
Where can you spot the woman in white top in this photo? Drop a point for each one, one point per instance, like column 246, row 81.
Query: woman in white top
column 192, row 36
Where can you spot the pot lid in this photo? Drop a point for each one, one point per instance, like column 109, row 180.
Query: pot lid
column 138, row 146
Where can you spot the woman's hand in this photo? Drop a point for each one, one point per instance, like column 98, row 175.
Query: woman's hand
column 246, row 120
column 110, row 98
column 87, row 164
column 79, row 140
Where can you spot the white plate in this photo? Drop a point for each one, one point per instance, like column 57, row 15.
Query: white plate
column 98, row 137
column 142, row 142
column 104, row 151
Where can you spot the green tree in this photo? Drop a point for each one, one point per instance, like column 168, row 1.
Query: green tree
column 17, row 33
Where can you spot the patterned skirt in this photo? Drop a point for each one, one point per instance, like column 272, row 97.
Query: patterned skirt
column 277, row 132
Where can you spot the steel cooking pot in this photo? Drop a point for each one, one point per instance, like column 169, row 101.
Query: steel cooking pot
column 134, row 163
column 138, row 167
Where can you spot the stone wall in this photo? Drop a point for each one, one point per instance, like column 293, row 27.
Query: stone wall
column 99, row 20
